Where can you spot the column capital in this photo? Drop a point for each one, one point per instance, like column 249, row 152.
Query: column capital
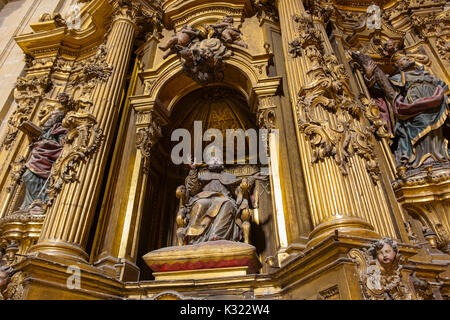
column 149, row 123
column 145, row 20
column 147, row 137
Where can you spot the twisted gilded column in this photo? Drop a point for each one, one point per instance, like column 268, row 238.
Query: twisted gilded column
column 337, row 149
column 68, row 222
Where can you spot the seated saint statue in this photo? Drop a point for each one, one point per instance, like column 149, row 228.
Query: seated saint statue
column 45, row 151
column 214, row 206
column 415, row 108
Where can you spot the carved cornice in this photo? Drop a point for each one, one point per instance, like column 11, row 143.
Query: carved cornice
column 95, row 16
column 196, row 12
column 423, row 176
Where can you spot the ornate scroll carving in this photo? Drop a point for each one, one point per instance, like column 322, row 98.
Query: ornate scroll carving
column 406, row 7
column 308, row 36
column 329, row 92
column 88, row 73
column 266, row 9
column 372, row 113
column 82, row 140
column 17, row 170
column 266, row 117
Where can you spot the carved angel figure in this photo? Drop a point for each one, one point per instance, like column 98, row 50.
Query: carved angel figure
column 414, row 106
column 180, row 40
column 225, row 30
column 214, row 206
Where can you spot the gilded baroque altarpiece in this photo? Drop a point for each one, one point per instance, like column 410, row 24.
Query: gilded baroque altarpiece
column 352, row 97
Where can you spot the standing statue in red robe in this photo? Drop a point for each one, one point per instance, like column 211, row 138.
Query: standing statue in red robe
column 414, row 106
column 45, row 151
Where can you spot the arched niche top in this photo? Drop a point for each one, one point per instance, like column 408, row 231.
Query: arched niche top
column 243, row 72
column 198, row 12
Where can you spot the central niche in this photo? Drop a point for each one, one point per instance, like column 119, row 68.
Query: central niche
column 219, row 108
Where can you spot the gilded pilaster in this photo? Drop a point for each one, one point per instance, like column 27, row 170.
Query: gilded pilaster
column 341, row 170
column 297, row 222
column 68, row 222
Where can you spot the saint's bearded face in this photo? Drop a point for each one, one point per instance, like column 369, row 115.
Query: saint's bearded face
column 405, row 63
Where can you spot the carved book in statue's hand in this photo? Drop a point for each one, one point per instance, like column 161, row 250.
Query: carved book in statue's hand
column 30, row 129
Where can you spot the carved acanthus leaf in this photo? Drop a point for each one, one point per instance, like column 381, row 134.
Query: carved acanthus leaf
column 266, row 9
column 17, row 170
column 146, row 138
column 28, row 93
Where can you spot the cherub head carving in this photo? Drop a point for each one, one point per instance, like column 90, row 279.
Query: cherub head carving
column 385, row 252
